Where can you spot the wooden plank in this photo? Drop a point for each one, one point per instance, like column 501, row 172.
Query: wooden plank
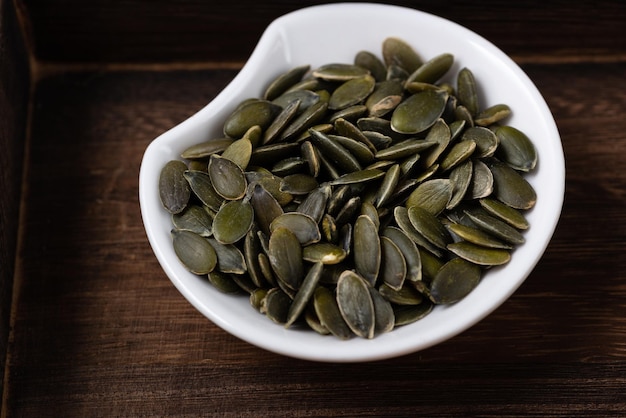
column 100, row 330
column 14, row 95
column 200, row 31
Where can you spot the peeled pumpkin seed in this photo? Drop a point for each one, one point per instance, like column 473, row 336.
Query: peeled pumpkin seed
column 202, row 187
column 223, row 282
column 257, row 112
column 398, row 52
column 304, row 294
column 324, row 252
column 174, row 189
column 351, row 92
column 329, row 314
column 432, row 195
column 505, row 213
column 384, row 318
column 480, row 255
column 455, row 280
column 233, row 221
column 409, row 252
column 285, row 80
column 303, row 226
column 195, row 219
column 511, row 188
column 194, row 252
column 355, row 304
column 230, row 259
column 393, row 264
column 285, row 255
column 419, row 112
column 367, row 251
column 432, row 70
column 373, row 182
column 407, row 314
column 515, row 148
column 276, row 305
column 205, row 149
column 227, row 178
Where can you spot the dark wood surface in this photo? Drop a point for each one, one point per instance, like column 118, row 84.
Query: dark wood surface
column 98, row 329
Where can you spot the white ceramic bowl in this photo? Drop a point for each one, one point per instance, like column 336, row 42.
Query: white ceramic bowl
column 335, row 33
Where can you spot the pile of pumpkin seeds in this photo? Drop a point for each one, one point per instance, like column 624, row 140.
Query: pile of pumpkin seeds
column 354, row 197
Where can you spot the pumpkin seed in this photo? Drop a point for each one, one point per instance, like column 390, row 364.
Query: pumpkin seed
column 511, row 188
column 202, row 187
column 367, row 249
column 230, row 259
column 477, row 254
column 329, row 315
column 455, row 280
column 399, row 53
column 393, row 264
column 205, row 149
column 432, row 70
column 285, row 255
column 407, row 314
column 409, row 251
column 429, row 226
column 227, row 178
column 233, row 221
column 195, row 219
column 174, row 189
column 419, row 112
column 223, row 282
column 276, row 305
column 303, row 226
column 324, row 252
column 257, row 112
column 492, row 115
column 284, row 81
column 351, row 92
column 194, row 251
column 432, row 195
column 372, row 63
column 504, row 213
column 384, row 317
column 304, row 294
column 515, row 148
column 355, row 304
column 467, row 91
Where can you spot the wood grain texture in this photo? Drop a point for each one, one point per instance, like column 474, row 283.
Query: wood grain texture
column 14, row 95
column 196, row 30
column 100, row 330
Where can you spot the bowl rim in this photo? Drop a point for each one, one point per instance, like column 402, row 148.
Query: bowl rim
column 355, row 350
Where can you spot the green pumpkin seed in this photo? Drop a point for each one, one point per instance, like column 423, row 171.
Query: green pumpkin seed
column 351, row 92
column 348, row 129
column 384, row 318
column 385, row 97
column 310, row 155
column 285, row 254
column 461, row 178
column 432, row 70
column 306, row 99
column 404, row 149
column 401, row 216
column 459, row 152
column 276, row 305
column 440, row 135
column 419, row 112
column 409, row 251
column 407, row 295
column 393, row 265
column 266, row 207
column 486, row 141
column 516, row 149
column 496, row 227
column 251, row 249
column 511, row 188
column 407, row 314
column 227, row 178
column 324, row 252
column 229, row 258
column 329, row 315
column 205, row 149
column 397, row 52
column 271, row 184
column 202, row 186
column 492, row 114
column 455, row 280
column 367, row 249
column 305, row 120
column 476, row 236
column 480, row 255
column 504, row 213
column 335, row 152
column 372, row 63
column 174, row 190
column 432, row 195
column 388, row 186
column 339, row 72
column 257, row 112
column 315, row 202
column 256, row 298
column 467, row 91
column 304, row 294
column 355, row 304
column 358, row 149
column 427, row 225
column 194, row 251
column 195, row 219
column 284, row 81
column 298, row 184
column 358, row 177
column 303, row 226
column 482, row 180
column 233, row 221
column 282, row 120
column 223, row 282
